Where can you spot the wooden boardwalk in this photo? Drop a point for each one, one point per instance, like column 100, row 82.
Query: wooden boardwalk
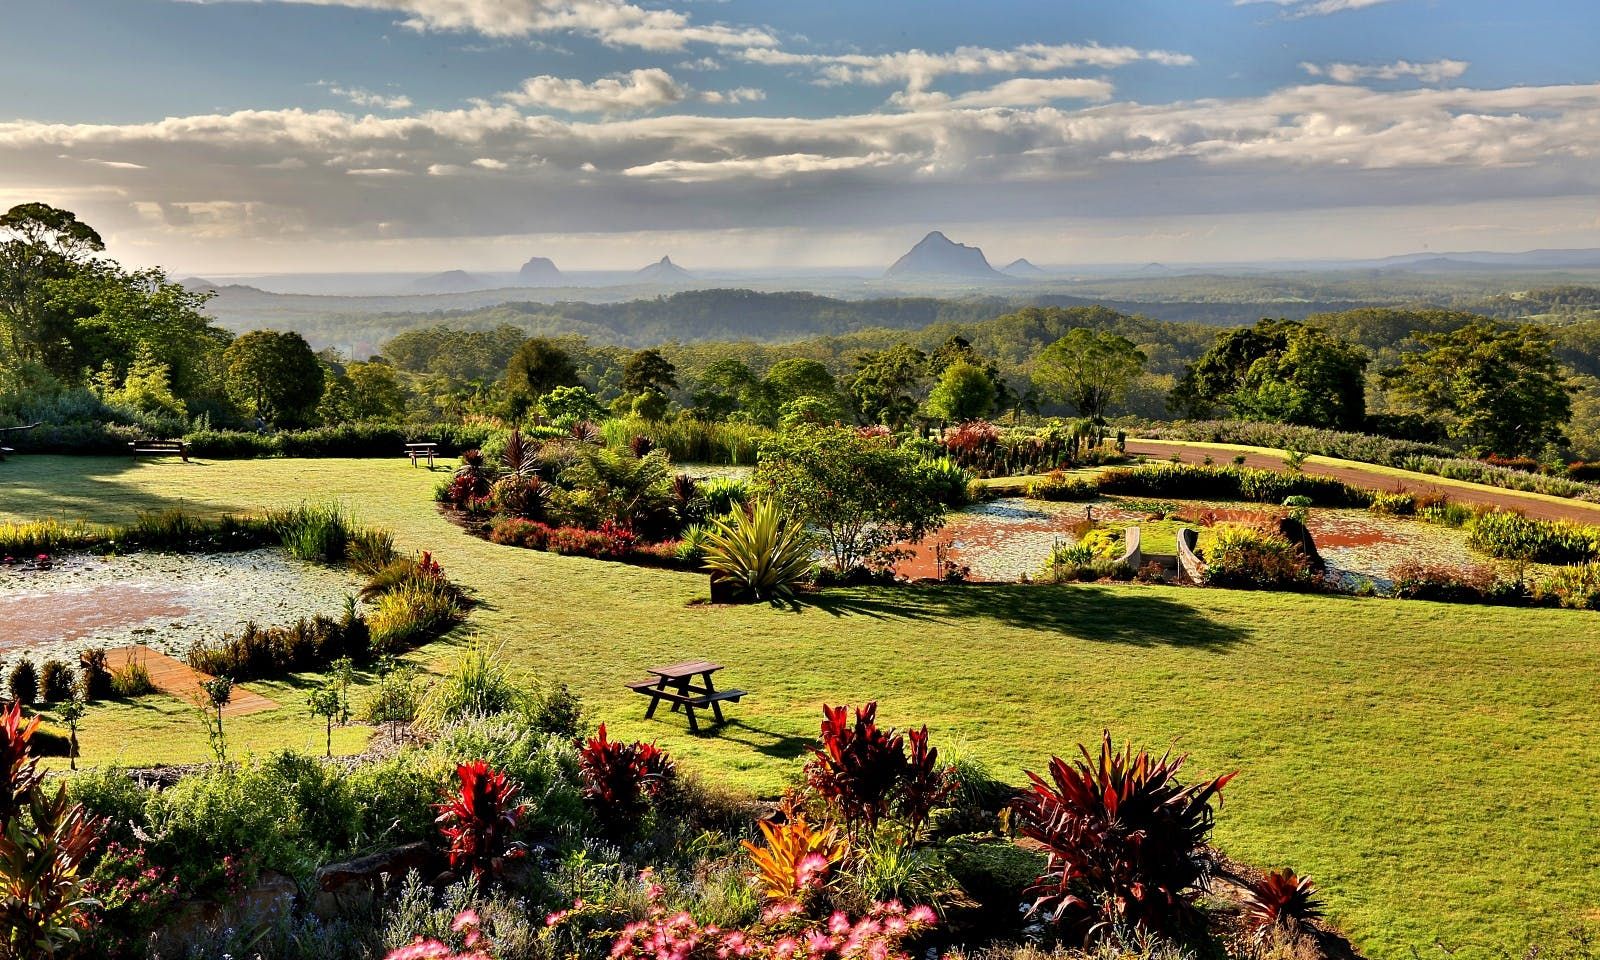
column 177, row 679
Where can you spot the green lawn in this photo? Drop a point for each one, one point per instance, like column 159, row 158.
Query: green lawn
column 1431, row 766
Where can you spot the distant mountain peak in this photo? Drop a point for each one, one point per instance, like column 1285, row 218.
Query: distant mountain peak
column 1022, row 267
column 664, row 269
column 936, row 255
column 540, row 270
column 450, row 281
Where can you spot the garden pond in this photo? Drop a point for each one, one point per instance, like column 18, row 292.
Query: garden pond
column 1003, row 540
column 167, row 601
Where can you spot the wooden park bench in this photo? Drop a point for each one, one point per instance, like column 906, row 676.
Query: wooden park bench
column 675, row 684
column 160, row 448
column 5, row 430
column 415, row 450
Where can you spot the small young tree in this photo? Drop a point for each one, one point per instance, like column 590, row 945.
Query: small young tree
column 218, row 692
column 1088, row 369
column 965, row 391
column 395, row 699
column 328, row 701
column 860, row 492
column 71, row 713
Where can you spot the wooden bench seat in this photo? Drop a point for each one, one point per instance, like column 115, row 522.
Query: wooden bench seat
column 160, row 448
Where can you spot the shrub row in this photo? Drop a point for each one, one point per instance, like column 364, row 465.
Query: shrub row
column 1507, row 478
column 692, row 441
column 343, row 440
column 1190, row 481
column 1364, row 447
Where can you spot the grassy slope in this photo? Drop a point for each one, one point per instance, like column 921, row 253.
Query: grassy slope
column 1426, row 763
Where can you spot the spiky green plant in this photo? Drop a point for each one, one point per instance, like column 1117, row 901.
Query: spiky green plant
column 763, row 552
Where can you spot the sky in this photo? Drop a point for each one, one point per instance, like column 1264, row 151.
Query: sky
column 235, row 136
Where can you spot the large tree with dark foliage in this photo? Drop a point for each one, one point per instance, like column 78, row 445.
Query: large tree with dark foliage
column 42, row 245
column 539, row 366
column 1498, row 388
column 1280, row 370
column 884, row 389
column 274, row 376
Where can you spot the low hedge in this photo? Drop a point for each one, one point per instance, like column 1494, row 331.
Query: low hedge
column 342, row 440
column 1365, row 447
column 1191, row 481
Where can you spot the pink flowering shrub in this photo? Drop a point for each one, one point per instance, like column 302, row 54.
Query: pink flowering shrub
column 472, row 944
column 783, row 933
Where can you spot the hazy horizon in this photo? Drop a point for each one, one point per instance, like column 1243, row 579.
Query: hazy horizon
column 239, row 137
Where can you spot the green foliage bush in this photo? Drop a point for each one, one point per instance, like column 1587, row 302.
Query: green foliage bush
column 1189, row 481
column 1511, row 536
column 1365, row 447
column 1238, row 556
column 1476, row 471
column 1576, row 587
column 1059, row 485
column 687, row 440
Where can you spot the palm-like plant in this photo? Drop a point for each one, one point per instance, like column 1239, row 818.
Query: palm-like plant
column 763, row 552
column 520, row 457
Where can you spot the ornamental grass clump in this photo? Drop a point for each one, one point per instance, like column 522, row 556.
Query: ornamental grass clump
column 1511, row 536
column 1126, row 843
column 764, row 554
column 320, row 534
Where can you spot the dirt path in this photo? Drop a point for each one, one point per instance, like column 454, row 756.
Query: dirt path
column 1373, row 479
column 177, row 679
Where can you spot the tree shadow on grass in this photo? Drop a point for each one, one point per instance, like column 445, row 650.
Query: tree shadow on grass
column 1135, row 617
column 90, row 487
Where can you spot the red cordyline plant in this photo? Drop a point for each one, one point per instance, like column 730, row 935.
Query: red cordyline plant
column 620, row 779
column 880, row 935
column 1125, row 841
column 861, row 769
column 480, row 820
column 1280, row 899
column 42, row 898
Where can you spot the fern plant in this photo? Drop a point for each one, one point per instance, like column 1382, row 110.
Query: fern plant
column 763, row 553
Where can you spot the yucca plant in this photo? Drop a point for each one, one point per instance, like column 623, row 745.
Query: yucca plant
column 1125, row 842
column 764, row 553
column 796, row 856
column 1280, row 899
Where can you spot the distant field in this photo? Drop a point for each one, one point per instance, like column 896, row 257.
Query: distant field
column 1430, row 765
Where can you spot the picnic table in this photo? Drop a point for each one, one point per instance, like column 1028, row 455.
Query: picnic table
column 415, row 450
column 676, row 685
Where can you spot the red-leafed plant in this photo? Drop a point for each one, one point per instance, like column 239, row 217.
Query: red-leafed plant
column 1125, row 841
column 480, row 820
column 861, row 770
column 1280, row 899
column 924, row 784
column 42, row 898
column 19, row 771
column 857, row 766
column 621, row 779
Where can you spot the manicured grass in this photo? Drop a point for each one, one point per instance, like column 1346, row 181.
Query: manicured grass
column 1430, row 765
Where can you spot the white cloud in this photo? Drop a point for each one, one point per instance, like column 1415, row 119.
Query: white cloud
column 917, row 68
column 366, row 98
column 1436, row 71
column 613, row 22
column 494, row 168
column 736, row 95
column 1018, row 92
column 1314, row 8
column 638, row 90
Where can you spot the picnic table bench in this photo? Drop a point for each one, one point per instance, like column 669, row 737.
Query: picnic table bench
column 5, row 430
column 676, row 685
column 160, row 448
column 415, row 450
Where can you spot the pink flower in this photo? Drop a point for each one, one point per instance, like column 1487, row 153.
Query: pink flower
column 922, row 915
